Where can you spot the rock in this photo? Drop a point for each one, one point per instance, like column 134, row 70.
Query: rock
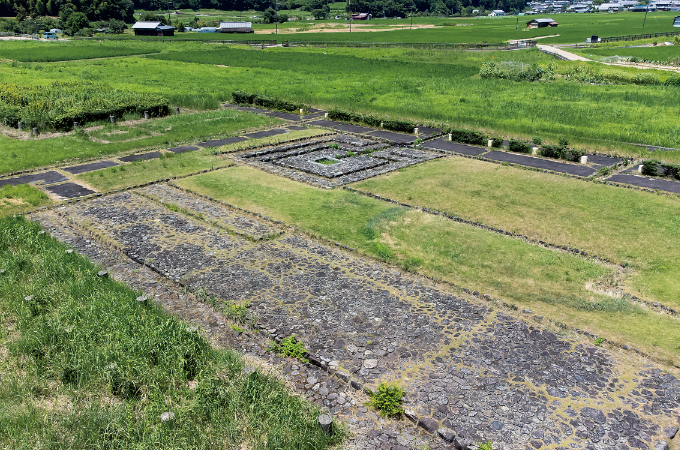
column 661, row 445
column 496, row 425
column 168, row 416
column 352, row 348
column 344, row 376
column 326, row 423
column 670, row 432
column 69, row 251
column 371, row 363
column 410, row 415
column 527, row 311
column 428, row 424
column 103, row 274
column 192, row 329
column 461, row 443
column 2, row 271
column 28, row 298
column 446, row 434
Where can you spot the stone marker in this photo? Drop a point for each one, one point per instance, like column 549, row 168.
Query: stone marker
column 534, row 150
column 640, row 168
column 35, row 131
column 450, row 137
column 19, row 125
column 301, row 112
column 177, row 110
column 112, row 119
column 584, row 159
column 146, row 114
column 325, row 116
column 75, row 125
column 415, row 131
column 168, row 416
column 326, row 423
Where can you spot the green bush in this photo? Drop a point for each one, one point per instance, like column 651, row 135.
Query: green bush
column 573, row 154
column 290, row 346
column 387, row 400
column 381, row 250
column 673, row 80
column 671, row 170
column 537, row 140
column 519, row 146
column 469, row 137
column 243, row 98
column 551, row 151
column 497, row 142
column 650, row 167
column 488, row 445
column 405, row 126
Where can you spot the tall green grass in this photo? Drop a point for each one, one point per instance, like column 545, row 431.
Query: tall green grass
column 90, row 367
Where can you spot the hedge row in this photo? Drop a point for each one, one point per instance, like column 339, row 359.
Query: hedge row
column 519, row 146
column 405, row 126
column 562, row 152
column 469, row 137
column 650, row 167
column 246, row 98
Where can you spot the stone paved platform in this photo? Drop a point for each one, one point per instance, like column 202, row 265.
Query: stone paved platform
column 465, row 364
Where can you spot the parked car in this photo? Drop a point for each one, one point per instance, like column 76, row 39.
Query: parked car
column 50, row 35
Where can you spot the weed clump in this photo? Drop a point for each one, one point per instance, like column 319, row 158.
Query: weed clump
column 388, row 400
column 290, row 346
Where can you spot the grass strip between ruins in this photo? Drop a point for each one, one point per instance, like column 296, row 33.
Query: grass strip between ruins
column 17, row 199
column 171, row 165
column 636, row 229
column 17, row 154
column 548, row 282
column 83, row 365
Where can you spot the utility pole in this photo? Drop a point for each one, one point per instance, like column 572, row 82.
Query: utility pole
column 411, row 17
column 349, row 3
column 646, row 11
column 277, row 16
column 517, row 24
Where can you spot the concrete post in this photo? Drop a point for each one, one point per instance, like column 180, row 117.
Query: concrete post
column 326, row 423
column 490, row 143
column 450, row 137
column 35, row 131
column 75, row 125
column 112, row 119
column 640, row 168
column 177, row 110
column 325, row 116
column 584, row 159
column 146, row 114
column 19, row 125
column 301, row 112
column 415, row 130
column 534, row 150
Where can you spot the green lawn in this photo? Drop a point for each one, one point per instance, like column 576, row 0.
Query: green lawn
column 659, row 53
column 86, row 366
column 171, row 165
column 550, row 283
column 165, row 132
column 629, row 227
column 17, row 199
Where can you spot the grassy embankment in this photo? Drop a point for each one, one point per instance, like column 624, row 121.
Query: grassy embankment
column 659, row 53
column 85, row 365
column 550, row 283
column 68, row 50
column 17, row 199
column 164, row 132
column 434, row 86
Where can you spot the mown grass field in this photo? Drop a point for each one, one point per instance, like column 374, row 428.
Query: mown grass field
column 85, row 365
column 632, row 228
column 17, row 199
column 164, row 132
column 434, row 86
column 550, row 283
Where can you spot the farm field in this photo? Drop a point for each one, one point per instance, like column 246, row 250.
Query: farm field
column 664, row 53
column 433, row 86
column 550, row 283
column 83, row 363
column 572, row 28
column 18, row 154
column 68, row 50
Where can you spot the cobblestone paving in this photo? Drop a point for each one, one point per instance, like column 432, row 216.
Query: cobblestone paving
column 467, row 366
column 299, row 161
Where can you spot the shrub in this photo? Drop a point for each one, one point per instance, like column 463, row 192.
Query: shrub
column 552, row 151
column 381, row 250
column 650, row 167
column 497, row 142
column 564, row 142
column 573, row 154
column 672, row 81
column 488, row 445
column 468, row 137
column 519, row 146
column 387, row 400
column 389, row 124
column 242, row 97
column 290, row 346
column 537, row 140
column 671, row 170
column 599, row 341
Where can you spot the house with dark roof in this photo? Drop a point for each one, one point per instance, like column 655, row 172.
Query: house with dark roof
column 153, row 29
column 541, row 23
